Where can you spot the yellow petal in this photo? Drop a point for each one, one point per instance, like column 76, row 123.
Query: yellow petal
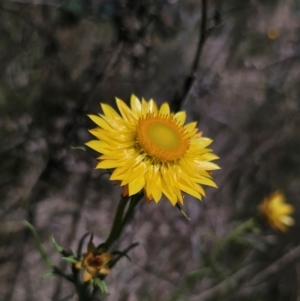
column 180, row 117
column 207, row 165
column 98, row 146
column 164, row 109
column 125, row 111
column 153, row 185
column 190, row 126
column 168, row 187
column 109, row 111
column 111, row 140
column 135, row 104
column 105, row 270
column 287, row 220
column 116, row 124
column 106, row 164
column 208, row 182
column 144, row 110
column 193, row 184
column 86, row 276
column 286, row 209
column 100, row 122
column 152, row 106
column 190, row 191
column 131, row 175
column 169, row 194
column 138, row 183
column 107, row 257
column 201, row 142
column 209, row 157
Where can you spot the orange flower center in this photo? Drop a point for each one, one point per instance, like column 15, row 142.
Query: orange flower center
column 161, row 137
column 94, row 260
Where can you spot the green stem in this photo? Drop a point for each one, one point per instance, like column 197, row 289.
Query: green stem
column 133, row 203
column 122, row 218
column 83, row 291
column 115, row 229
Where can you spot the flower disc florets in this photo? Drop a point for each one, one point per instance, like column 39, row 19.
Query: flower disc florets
column 150, row 148
column 161, row 138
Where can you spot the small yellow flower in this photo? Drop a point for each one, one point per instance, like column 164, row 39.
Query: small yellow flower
column 94, row 263
column 151, row 149
column 277, row 211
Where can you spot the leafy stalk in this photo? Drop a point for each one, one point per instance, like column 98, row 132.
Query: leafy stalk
column 39, row 245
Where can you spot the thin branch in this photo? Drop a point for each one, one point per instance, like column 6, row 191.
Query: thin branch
column 225, row 286
column 124, row 253
column 202, row 37
column 276, row 266
column 180, row 96
column 259, row 282
column 233, row 282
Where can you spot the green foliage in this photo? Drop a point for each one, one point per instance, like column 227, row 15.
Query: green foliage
column 57, row 247
column 38, row 245
column 70, row 259
column 101, row 284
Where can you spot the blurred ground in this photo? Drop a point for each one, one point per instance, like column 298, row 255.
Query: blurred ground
column 58, row 60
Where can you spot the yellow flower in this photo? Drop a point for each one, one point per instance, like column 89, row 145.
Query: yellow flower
column 277, row 212
column 151, row 149
column 94, row 263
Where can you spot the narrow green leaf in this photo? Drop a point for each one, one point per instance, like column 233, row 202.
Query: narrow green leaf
column 39, row 245
column 70, row 259
column 80, row 245
column 182, row 212
column 56, row 246
column 101, row 284
column 79, row 148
